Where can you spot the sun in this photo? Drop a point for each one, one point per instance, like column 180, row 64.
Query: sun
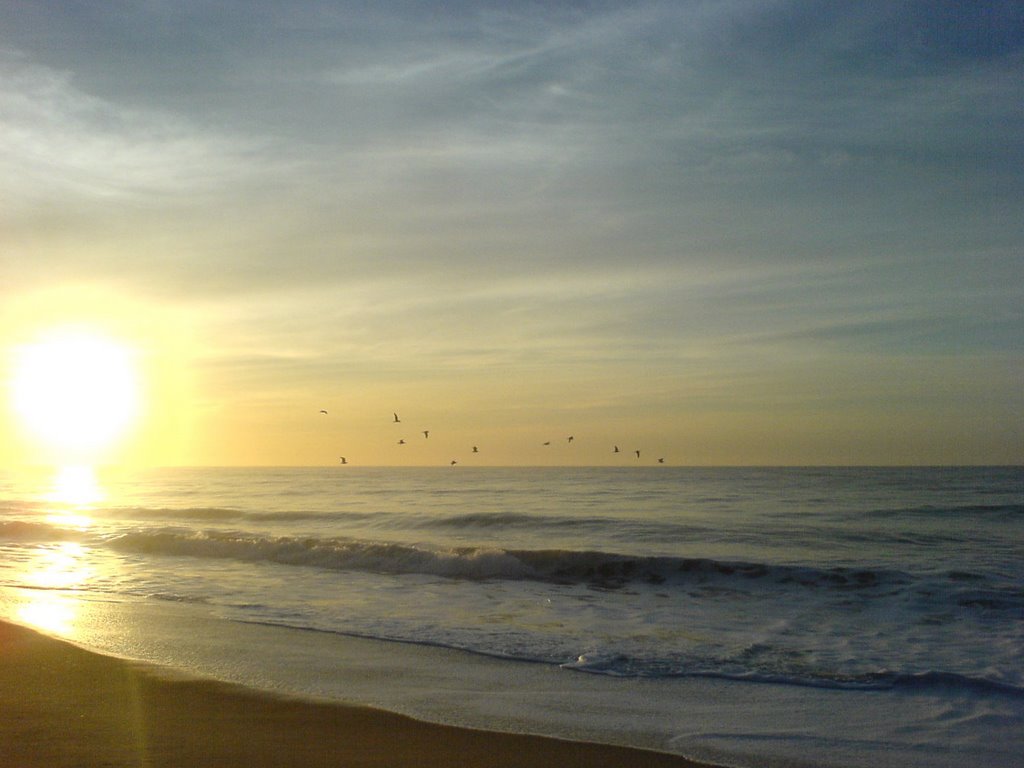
column 76, row 391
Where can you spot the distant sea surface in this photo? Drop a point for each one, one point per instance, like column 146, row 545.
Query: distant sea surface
column 753, row 617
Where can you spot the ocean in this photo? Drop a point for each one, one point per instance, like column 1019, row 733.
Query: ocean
column 776, row 617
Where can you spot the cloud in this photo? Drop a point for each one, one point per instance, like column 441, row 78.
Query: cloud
column 62, row 143
column 750, row 188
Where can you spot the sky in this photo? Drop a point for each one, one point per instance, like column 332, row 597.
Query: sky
column 740, row 232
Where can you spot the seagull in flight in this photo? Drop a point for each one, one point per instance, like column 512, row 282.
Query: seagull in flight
column 426, row 433
column 323, row 411
column 638, row 453
column 569, row 438
column 343, row 460
column 401, row 441
column 547, row 442
column 454, row 462
column 661, row 461
column 397, row 420
column 616, row 449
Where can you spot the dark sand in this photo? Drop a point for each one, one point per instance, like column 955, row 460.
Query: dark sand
column 64, row 706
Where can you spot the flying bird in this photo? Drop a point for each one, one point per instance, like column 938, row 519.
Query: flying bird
column 323, row 411
column 475, row 449
column 343, row 460
column 454, row 462
column 569, row 438
column 397, row 420
column 638, row 453
column 547, row 442
column 661, row 461
column 426, row 433
column 616, row 449
column 401, row 441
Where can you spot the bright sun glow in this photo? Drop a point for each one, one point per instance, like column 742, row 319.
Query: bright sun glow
column 75, row 486
column 75, row 390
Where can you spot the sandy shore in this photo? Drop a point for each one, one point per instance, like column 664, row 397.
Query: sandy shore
column 63, row 706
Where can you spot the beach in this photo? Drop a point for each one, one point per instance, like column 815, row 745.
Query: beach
column 824, row 618
column 65, row 706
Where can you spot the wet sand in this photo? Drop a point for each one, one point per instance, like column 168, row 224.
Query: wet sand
column 63, row 706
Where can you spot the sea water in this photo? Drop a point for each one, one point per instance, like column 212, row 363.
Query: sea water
column 750, row 617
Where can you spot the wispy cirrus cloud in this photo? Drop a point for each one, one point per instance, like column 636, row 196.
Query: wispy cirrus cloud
column 726, row 198
column 58, row 141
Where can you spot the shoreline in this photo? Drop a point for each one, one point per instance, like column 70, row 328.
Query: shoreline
column 63, row 705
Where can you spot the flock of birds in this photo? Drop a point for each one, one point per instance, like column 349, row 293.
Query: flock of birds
column 476, row 449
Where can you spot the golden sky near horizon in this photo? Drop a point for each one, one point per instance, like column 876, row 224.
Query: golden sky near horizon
column 733, row 233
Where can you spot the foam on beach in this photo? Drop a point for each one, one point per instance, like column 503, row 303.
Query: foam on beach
column 64, row 707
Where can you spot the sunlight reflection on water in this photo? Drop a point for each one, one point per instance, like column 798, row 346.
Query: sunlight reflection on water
column 51, row 578
column 53, row 613
column 55, row 572
column 77, row 486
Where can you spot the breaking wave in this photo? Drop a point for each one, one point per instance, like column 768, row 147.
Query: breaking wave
column 558, row 566
column 593, row 568
column 25, row 530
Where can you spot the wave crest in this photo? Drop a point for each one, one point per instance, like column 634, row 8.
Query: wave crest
column 24, row 530
column 598, row 568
